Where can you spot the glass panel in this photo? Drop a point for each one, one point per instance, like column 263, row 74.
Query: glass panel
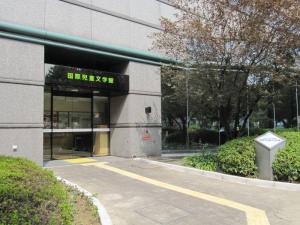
column 101, row 120
column 63, row 120
column 71, row 112
column 101, row 112
column 101, row 143
column 81, row 115
column 47, row 109
column 68, row 145
column 47, row 146
column 62, row 105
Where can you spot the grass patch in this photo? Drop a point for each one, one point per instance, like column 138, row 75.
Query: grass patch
column 205, row 160
column 202, row 161
column 85, row 212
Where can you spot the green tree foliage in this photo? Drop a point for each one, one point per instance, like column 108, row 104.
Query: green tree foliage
column 174, row 96
column 242, row 51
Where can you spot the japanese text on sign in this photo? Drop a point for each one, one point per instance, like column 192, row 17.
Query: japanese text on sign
column 90, row 78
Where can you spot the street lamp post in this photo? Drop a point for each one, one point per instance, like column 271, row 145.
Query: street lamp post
column 274, row 110
column 219, row 126
column 274, row 117
column 248, row 120
column 297, row 108
column 187, row 110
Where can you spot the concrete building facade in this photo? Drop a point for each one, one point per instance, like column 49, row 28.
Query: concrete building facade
column 45, row 44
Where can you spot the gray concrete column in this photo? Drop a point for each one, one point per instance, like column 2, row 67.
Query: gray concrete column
column 133, row 132
column 21, row 99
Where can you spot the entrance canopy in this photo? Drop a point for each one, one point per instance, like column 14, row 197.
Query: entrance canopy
column 53, row 39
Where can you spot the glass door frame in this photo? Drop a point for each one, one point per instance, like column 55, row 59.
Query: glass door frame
column 90, row 130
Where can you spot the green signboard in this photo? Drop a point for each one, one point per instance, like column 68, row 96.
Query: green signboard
column 93, row 79
column 90, row 78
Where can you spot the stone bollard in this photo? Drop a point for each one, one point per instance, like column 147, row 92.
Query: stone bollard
column 266, row 147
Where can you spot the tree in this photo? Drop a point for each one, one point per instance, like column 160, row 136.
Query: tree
column 174, row 97
column 240, row 50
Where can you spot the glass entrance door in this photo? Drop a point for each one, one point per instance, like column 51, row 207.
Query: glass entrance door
column 76, row 124
column 72, row 126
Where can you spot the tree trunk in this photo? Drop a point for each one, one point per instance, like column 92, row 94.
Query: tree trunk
column 183, row 131
column 237, row 119
column 225, row 113
column 250, row 111
column 174, row 120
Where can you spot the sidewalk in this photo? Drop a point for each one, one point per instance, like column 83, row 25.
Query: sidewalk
column 136, row 192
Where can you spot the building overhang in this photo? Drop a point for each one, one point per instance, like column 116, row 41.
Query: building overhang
column 40, row 36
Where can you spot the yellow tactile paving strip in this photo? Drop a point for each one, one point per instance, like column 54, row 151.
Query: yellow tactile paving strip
column 254, row 216
column 80, row 160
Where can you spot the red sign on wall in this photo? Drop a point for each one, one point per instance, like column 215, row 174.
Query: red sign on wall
column 146, row 135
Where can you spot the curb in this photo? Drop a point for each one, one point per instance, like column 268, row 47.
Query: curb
column 102, row 213
column 226, row 177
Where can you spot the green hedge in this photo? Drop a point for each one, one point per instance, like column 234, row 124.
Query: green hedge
column 286, row 166
column 237, row 157
column 206, row 136
column 31, row 195
column 204, row 161
column 175, row 137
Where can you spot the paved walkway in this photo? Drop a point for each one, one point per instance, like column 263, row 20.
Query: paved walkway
column 136, row 192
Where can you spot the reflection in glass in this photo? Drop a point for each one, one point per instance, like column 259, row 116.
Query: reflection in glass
column 47, row 146
column 71, row 112
column 74, row 111
column 101, row 112
column 47, row 109
column 66, row 145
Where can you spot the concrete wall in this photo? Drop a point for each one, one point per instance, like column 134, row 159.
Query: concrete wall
column 133, row 132
column 128, row 23
column 130, row 142
column 29, row 12
column 21, row 99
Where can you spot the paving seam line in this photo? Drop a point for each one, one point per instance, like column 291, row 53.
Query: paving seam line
column 102, row 212
column 226, row 177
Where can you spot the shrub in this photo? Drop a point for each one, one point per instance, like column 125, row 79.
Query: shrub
column 292, row 140
column 206, row 136
column 237, row 157
column 203, row 161
column 286, row 166
column 175, row 137
column 256, row 131
column 31, row 195
column 169, row 130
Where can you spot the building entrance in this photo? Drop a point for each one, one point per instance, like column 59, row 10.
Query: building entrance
column 76, row 124
column 76, row 110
